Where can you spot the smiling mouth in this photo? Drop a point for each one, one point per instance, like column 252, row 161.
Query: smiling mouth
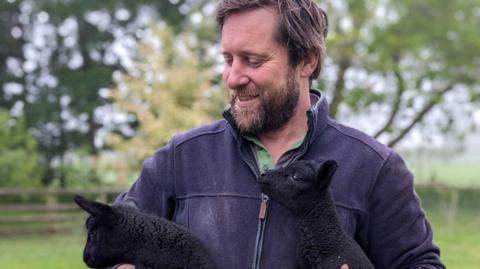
column 245, row 98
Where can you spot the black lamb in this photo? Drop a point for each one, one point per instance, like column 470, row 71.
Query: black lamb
column 122, row 234
column 303, row 188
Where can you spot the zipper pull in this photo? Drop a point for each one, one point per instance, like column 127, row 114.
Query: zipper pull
column 263, row 207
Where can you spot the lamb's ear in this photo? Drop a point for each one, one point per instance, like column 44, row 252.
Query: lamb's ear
column 95, row 209
column 325, row 171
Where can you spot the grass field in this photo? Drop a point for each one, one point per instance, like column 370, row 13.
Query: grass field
column 41, row 252
column 459, row 241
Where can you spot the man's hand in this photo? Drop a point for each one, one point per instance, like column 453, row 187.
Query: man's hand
column 131, row 266
column 345, row 266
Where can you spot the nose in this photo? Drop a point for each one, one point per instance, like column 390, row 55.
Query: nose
column 234, row 75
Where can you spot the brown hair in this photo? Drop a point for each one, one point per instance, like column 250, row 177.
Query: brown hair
column 302, row 26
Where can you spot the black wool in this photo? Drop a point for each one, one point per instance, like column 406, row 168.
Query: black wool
column 121, row 234
column 303, row 188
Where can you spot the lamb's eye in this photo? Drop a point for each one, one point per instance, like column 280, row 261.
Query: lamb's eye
column 296, row 177
column 91, row 223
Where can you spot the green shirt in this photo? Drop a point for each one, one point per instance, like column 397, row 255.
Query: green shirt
column 264, row 158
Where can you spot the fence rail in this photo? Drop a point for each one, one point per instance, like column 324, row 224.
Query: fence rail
column 447, row 187
column 46, row 210
column 56, row 191
column 52, row 210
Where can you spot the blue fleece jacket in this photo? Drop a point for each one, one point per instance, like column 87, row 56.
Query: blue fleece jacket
column 205, row 179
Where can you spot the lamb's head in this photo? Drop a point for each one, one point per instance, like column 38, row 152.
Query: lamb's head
column 299, row 185
column 105, row 240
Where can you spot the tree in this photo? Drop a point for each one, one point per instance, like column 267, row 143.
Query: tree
column 405, row 65
column 19, row 160
column 374, row 49
column 164, row 93
column 56, row 55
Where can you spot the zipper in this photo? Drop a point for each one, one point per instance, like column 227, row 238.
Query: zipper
column 262, row 221
column 262, row 214
column 263, row 207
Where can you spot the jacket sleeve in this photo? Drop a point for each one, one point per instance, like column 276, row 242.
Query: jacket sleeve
column 399, row 235
column 153, row 191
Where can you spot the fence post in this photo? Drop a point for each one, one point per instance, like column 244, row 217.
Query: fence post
column 451, row 206
column 51, row 204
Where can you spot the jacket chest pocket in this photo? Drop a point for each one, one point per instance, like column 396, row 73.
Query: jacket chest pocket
column 225, row 223
column 349, row 219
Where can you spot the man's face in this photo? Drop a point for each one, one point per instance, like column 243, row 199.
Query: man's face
column 264, row 90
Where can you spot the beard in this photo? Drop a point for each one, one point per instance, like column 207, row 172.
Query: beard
column 276, row 107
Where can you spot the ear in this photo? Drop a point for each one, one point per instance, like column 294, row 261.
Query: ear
column 95, row 209
column 325, row 172
column 309, row 64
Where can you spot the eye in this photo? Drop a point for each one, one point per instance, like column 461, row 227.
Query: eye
column 228, row 59
column 296, row 177
column 91, row 223
column 253, row 61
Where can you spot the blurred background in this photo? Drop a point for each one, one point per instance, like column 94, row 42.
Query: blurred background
column 91, row 88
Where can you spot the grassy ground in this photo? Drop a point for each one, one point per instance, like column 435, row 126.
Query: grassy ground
column 459, row 243
column 40, row 252
column 457, row 234
column 458, row 239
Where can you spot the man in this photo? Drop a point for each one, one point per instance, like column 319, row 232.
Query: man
column 205, row 179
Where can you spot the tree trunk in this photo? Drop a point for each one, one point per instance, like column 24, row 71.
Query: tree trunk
column 396, row 103
column 338, row 94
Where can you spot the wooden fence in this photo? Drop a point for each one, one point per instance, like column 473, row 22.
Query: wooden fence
column 449, row 199
column 46, row 210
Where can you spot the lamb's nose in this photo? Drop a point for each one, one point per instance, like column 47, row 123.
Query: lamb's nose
column 263, row 174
